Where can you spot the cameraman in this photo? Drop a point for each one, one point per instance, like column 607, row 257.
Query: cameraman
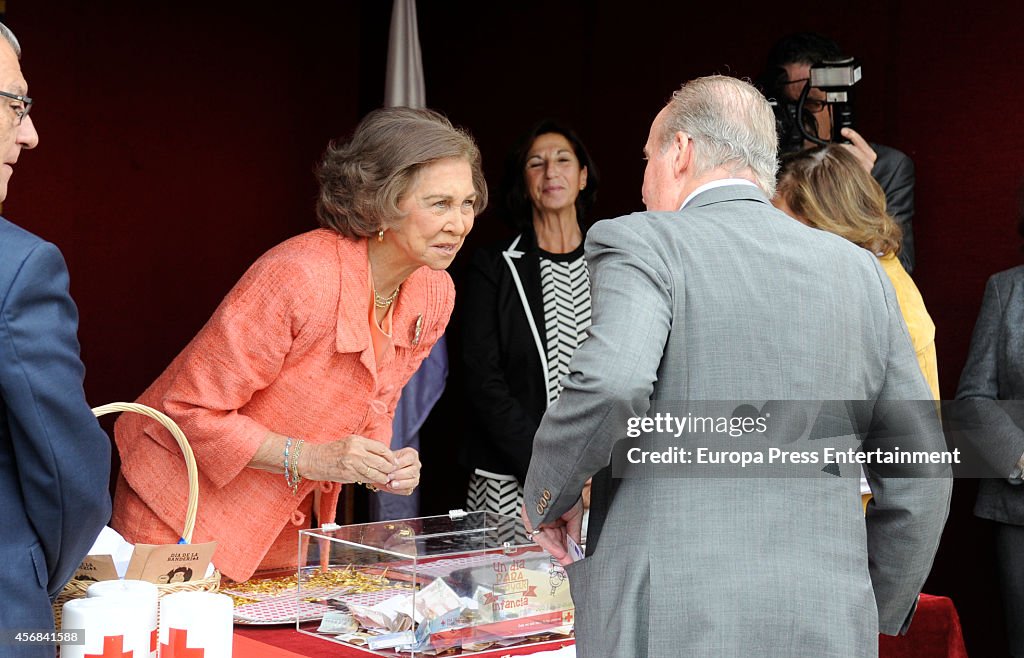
column 788, row 69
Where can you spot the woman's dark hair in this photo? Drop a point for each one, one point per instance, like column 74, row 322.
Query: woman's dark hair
column 516, row 207
column 185, row 571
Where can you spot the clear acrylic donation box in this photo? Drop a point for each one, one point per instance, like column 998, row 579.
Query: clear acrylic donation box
column 440, row 585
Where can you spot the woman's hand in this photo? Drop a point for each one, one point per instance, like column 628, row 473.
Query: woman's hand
column 352, row 459
column 405, row 478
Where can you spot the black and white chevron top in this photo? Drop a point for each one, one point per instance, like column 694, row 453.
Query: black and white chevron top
column 565, row 287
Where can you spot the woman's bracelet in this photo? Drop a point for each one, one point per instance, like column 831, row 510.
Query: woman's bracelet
column 296, row 478
column 287, row 464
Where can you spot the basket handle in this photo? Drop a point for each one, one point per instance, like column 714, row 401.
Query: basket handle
column 186, row 449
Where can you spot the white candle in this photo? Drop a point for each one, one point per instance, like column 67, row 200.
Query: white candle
column 112, row 627
column 141, row 594
column 196, row 620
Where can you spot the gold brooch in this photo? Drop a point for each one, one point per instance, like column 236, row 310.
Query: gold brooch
column 417, row 330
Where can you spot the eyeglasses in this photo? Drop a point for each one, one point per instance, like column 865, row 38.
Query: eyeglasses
column 21, row 108
column 812, row 105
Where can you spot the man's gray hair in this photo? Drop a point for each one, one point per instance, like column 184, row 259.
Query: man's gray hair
column 8, row 36
column 732, row 126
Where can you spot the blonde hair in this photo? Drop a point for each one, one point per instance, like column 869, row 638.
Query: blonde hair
column 827, row 188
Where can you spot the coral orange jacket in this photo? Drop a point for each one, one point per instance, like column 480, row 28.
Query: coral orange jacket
column 288, row 350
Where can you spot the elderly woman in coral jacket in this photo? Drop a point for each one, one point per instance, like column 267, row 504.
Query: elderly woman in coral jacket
column 290, row 388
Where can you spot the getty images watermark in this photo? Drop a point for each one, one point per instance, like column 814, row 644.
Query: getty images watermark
column 794, row 439
column 668, row 425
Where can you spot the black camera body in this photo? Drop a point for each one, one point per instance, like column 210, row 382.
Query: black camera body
column 791, row 138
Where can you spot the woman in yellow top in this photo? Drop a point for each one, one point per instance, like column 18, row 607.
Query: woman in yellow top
column 828, row 188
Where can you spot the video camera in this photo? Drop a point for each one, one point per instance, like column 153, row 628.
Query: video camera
column 795, row 124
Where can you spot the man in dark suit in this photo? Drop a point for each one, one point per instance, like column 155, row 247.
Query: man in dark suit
column 788, row 69
column 54, row 457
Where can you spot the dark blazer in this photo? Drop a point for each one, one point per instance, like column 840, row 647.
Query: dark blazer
column 54, row 457
column 995, row 371
column 504, row 372
column 894, row 171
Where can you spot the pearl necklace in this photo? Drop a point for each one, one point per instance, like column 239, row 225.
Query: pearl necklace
column 384, row 302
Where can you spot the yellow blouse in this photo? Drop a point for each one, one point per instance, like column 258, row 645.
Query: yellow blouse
column 919, row 323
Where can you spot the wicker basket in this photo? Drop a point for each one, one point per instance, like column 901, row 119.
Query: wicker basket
column 76, row 589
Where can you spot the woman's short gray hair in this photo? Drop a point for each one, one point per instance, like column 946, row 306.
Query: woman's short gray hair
column 363, row 179
column 732, row 126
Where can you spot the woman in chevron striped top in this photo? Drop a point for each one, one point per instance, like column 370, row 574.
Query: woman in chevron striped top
column 524, row 307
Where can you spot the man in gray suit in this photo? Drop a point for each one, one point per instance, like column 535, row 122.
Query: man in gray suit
column 713, row 295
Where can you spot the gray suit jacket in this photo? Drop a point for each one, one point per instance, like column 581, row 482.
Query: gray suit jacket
column 995, row 371
column 730, row 299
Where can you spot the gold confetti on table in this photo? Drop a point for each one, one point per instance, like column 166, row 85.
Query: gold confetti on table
column 348, row 580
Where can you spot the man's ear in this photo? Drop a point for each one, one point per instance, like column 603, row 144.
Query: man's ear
column 682, row 146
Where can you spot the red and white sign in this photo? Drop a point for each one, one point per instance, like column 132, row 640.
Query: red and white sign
column 114, row 628
column 142, row 595
column 195, row 625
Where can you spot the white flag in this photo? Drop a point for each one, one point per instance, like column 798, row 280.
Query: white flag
column 404, row 86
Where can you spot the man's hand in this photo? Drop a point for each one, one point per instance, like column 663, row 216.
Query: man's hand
column 860, row 149
column 552, row 536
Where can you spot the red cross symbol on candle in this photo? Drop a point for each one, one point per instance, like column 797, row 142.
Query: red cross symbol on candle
column 177, row 649
column 113, row 647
